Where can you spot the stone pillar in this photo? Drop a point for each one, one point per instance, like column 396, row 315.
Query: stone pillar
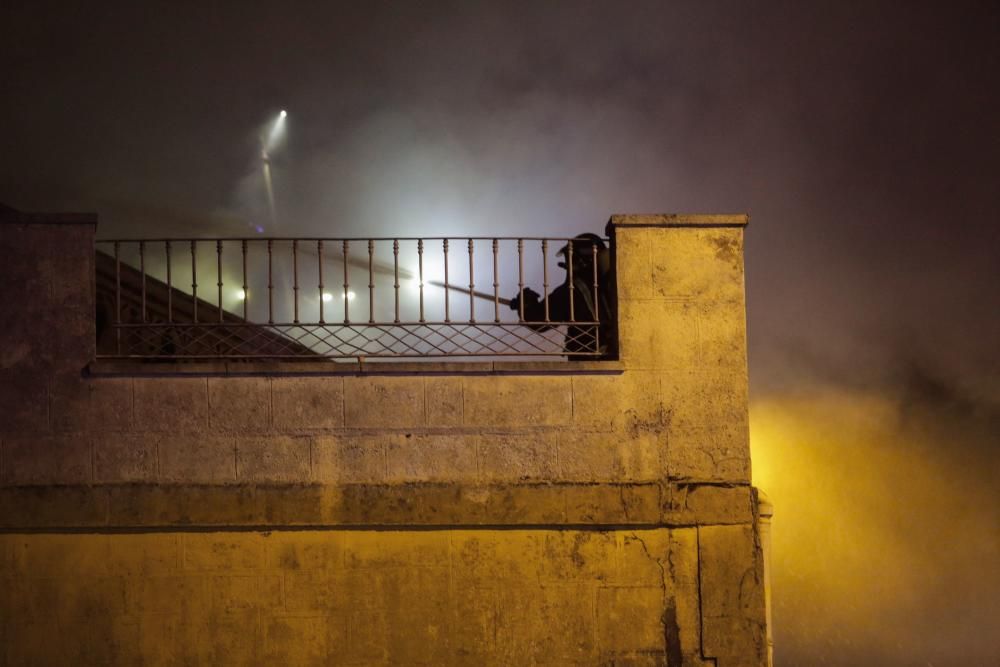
column 682, row 321
column 682, row 317
column 47, row 305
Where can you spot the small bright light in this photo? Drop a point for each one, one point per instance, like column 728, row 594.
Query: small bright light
column 240, row 294
column 327, row 296
column 350, row 296
column 275, row 134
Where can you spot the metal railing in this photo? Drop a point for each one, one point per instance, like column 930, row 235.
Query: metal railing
column 296, row 298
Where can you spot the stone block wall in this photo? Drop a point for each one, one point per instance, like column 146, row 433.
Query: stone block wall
column 386, row 513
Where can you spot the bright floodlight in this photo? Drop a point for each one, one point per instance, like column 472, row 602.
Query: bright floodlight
column 241, row 295
column 276, row 133
column 327, row 296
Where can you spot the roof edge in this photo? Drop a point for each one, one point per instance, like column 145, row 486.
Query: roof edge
column 679, row 220
column 10, row 215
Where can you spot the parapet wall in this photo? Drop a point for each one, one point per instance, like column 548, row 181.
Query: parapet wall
column 385, row 513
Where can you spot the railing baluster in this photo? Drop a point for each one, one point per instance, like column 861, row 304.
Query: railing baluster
column 118, row 299
column 319, row 254
column 447, row 289
column 545, row 275
column 472, row 286
column 597, row 309
column 170, row 288
column 420, row 269
column 395, row 273
column 569, row 276
column 347, row 285
column 194, row 282
column 142, row 275
column 496, row 282
column 218, row 272
column 270, row 283
column 371, row 281
column 520, row 279
column 246, row 294
column 295, row 281
column 597, row 303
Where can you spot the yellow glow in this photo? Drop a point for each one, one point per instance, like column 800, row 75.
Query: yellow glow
column 240, row 294
column 880, row 531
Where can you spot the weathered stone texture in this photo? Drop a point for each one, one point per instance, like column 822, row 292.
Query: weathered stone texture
column 516, row 458
column 78, row 404
column 527, row 513
column 502, row 401
column 691, row 504
column 626, row 403
column 637, row 608
column 732, row 595
column 44, row 460
column 124, row 458
column 699, row 264
column 384, row 402
column 432, row 458
column 612, row 504
column 722, row 337
column 171, row 404
column 659, row 335
column 274, row 459
column 53, row 262
column 24, row 394
column 53, row 507
column 598, row 457
column 450, row 596
column 202, row 459
column 239, row 404
column 307, row 403
column 176, row 505
column 350, row 459
column 444, row 401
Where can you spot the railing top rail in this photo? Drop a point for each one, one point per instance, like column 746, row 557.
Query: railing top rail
column 338, row 238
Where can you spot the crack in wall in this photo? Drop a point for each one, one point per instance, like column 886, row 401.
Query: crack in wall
column 701, row 610
column 668, row 619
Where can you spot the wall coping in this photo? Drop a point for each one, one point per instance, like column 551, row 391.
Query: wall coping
column 129, row 368
column 12, row 216
column 679, row 220
column 561, row 505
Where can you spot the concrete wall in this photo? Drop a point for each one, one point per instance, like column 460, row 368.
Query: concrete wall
column 447, row 513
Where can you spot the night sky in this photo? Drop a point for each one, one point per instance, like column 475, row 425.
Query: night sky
column 863, row 139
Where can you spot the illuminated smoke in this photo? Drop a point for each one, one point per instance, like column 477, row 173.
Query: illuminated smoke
column 861, row 138
column 886, row 536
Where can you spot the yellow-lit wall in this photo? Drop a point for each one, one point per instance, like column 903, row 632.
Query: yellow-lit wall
column 345, row 597
column 505, row 513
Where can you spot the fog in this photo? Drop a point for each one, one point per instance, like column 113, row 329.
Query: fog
column 862, row 138
column 887, row 527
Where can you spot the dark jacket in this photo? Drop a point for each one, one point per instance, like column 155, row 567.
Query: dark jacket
column 582, row 338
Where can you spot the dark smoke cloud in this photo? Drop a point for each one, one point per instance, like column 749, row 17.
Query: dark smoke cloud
column 862, row 137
